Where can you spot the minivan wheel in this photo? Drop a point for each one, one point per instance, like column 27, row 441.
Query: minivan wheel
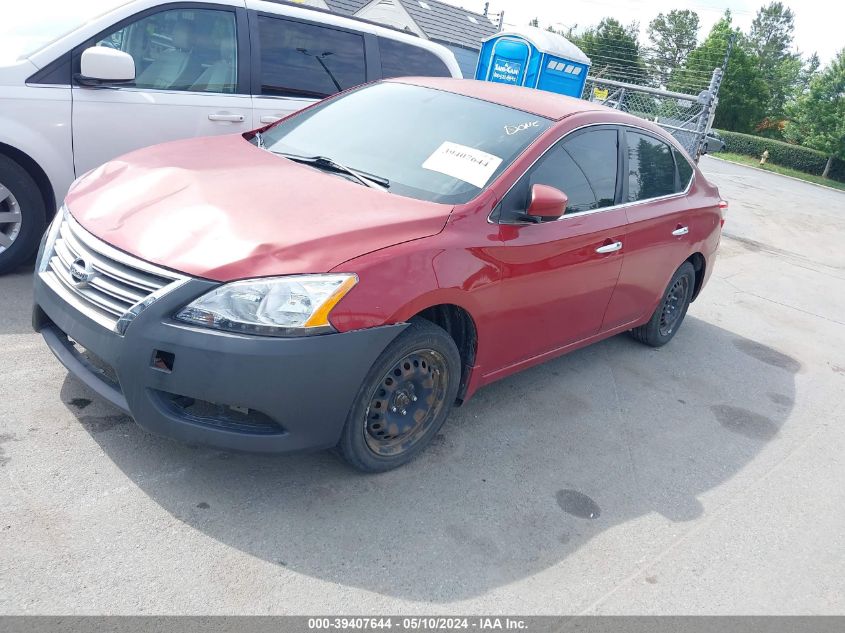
column 404, row 400
column 670, row 313
column 22, row 215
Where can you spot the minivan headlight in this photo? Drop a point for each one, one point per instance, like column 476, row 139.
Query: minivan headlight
column 275, row 306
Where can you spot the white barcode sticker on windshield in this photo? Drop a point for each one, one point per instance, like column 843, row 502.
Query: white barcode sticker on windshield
column 464, row 163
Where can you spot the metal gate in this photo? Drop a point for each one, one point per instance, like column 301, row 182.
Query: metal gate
column 686, row 117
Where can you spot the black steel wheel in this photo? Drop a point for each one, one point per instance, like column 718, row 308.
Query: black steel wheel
column 405, row 398
column 671, row 310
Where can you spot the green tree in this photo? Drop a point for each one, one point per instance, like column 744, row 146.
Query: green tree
column 770, row 41
column 818, row 116
column 673, row 36
column 744, row 94
column 808, row 71
column 614, row 51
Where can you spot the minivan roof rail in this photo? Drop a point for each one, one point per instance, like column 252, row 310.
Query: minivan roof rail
column 299, row 5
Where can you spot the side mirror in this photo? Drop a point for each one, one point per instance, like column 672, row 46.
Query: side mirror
column 547, row 203
column 102, row 66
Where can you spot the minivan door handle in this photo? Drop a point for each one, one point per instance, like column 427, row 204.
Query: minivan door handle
column 609, row 248
column 270, row 119
column 235, row 118
column 681, row 230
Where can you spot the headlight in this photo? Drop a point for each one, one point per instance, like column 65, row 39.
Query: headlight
column 277, row 306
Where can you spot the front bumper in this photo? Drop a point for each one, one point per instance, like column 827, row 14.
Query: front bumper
column 197, row 385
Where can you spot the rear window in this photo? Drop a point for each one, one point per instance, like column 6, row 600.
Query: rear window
column 399, row 59
column 308, row 60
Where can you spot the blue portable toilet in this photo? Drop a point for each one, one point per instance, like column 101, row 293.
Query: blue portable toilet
column 531, row 57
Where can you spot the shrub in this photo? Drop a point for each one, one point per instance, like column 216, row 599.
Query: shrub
column 794, row 156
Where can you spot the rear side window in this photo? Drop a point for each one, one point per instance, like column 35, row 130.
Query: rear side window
column 307, row 60
column 684, row 171
column 651, row 167
column 583, row 167
column 399, row 59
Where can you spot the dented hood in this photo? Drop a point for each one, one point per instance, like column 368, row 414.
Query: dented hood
column 223, row 209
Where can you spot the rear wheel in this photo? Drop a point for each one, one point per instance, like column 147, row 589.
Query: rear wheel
column 22, row 215
column 404, row 400
column 670, row 313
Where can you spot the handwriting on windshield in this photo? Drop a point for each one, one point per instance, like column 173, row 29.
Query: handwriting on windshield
column 510, row 130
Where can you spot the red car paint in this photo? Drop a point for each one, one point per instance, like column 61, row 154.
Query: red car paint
column 224, row 209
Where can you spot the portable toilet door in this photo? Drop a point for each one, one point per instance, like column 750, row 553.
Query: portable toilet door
column 507, row 61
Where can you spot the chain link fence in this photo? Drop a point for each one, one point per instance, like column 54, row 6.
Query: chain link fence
column 686, row 117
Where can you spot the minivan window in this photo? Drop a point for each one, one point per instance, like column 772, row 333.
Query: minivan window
column 399, row 59
column 429, row 144
column 684, row 171
column 583, row 167
column 308, row 60
column 651, row 167
column 181, row 49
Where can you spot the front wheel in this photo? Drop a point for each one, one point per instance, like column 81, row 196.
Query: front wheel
column 404, row 400
column 671, row 310
column 22, row 215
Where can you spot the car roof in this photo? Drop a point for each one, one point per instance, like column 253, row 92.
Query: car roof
column 546, row 104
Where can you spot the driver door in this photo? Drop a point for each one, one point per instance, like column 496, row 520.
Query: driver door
column 190, row 80
column 558, row 276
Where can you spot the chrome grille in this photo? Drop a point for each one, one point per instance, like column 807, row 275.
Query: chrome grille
column 114, row 283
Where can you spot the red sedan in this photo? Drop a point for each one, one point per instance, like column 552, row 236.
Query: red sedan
column 345, row 277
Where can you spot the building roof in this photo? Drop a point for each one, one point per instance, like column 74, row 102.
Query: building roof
column 546, row 104
column 443, row 22
column 440, row 22
column 346, row 7
column 548, row 42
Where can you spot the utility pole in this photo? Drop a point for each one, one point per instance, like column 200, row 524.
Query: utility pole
column 486, row 7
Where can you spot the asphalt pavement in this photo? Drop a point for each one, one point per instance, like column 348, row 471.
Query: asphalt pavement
column 704, row 477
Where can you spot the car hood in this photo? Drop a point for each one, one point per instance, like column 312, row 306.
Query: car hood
column 223, row 209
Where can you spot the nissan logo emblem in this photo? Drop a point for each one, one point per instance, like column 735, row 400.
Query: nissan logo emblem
column 81, row 272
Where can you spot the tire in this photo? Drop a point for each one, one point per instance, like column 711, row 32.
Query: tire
column 404, row 399
column 670, row 312
column 20, row 194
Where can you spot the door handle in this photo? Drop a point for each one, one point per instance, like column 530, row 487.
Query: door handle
column 681, row 230
column 235, row 118
column 609, row 248
column 270, row 119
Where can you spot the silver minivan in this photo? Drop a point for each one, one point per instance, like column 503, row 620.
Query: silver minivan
column 151, row 71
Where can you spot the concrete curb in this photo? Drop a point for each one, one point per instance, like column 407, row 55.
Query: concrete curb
column 815, row 184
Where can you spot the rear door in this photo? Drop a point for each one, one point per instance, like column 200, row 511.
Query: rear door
column 661, row 226
column 558, row 277
column 191, row 72
column 299, row 62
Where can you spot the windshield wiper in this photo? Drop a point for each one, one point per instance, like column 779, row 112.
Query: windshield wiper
column 259, row 140
column 324, row 162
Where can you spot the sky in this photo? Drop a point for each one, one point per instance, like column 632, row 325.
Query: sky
column 819, row 24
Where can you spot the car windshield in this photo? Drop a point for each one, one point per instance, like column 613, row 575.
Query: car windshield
column 424, row 143
column 24, row 32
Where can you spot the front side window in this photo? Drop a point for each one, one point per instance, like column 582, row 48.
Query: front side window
column 307, row 60
column 583, row 166
column 404, row 60
column 181, row 49
column 429, row 144
column 651, row 167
